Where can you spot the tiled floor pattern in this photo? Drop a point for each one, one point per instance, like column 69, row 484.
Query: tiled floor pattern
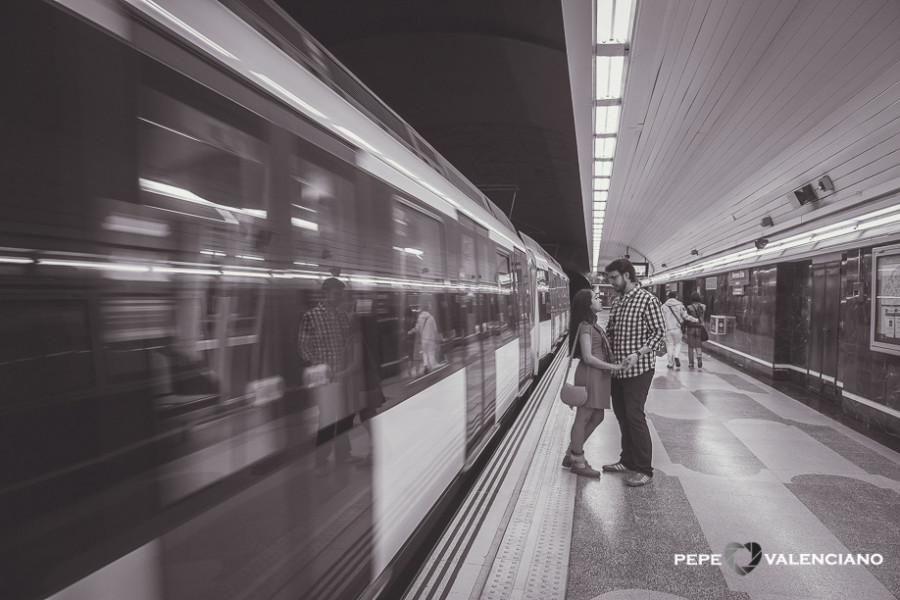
column 737, row 461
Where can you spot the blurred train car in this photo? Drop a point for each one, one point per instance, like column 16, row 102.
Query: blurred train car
column 179, row 181
column 551, row 301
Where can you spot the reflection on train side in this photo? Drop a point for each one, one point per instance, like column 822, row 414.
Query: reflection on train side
column 186, row 402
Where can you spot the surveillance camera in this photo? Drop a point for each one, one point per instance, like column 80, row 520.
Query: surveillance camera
column 761, row 243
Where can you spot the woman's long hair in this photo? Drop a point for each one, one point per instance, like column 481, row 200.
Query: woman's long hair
column 580, row 312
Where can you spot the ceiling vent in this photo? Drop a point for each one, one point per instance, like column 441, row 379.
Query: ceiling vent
column 805, row 195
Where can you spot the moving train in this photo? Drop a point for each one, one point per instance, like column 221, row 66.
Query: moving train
column 184, row 185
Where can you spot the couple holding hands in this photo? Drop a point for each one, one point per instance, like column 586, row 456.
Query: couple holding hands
column 617, row 367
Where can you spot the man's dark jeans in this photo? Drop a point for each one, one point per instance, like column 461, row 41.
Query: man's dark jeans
column 629, row 394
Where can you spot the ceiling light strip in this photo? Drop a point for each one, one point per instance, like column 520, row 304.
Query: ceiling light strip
column 611, row 33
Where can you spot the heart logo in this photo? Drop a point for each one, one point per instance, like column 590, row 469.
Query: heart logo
column 755, row 556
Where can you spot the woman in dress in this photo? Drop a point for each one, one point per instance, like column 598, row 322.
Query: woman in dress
column 594, row 370
column 693, row 331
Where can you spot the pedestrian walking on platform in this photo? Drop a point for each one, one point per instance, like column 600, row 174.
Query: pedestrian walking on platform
column 635, row 329
column 592, row 347
column 676, row 318
column 693, row 333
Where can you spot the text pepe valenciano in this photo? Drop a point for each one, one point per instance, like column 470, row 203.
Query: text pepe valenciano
column 803, row 559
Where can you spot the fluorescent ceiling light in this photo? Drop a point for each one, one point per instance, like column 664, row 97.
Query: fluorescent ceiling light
column 601, row 196
column 877, row 222
column 613, row 21
column 601, row 184
column 606, row 119
column 604, row 147
column 816, row 236
column 608, row 76
column 602, row 168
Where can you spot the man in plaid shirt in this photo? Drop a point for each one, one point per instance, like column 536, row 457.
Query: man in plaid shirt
column 322, row 344
column 635, row 329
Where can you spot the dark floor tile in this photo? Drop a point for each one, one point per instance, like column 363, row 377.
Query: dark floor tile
column 863, row 457
column 829, row 408
column 734, row 405
column 740, row 383
column 626, row 538
column 861, row 526
column 666, row 381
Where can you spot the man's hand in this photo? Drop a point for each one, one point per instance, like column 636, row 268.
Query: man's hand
column 629, row 362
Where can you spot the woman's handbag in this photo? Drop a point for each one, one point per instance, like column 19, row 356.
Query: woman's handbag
column 572, row 395
column 704, row 334
column 681, row 322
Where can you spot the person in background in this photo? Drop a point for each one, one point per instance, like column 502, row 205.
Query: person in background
column 592, row 347
column 635, row 329
column 675, row 315
column 427, row 340
column 693, row 331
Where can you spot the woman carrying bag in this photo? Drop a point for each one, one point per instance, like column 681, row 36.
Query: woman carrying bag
column 594, row 370
column 694, row 332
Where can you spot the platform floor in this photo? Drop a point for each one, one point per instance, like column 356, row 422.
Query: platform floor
column 736, row 462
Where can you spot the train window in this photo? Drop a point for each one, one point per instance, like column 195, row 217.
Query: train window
column 507, row 300
column 198, row 169
column 468, row 262
column 129, row 327
column 474, row 266
column 419, row 253
column 418, row 243
column 543, row 295
column 325, row 233
column 46, row 348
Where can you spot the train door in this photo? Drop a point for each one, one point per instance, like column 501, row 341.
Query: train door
column 479, row 389
column 523, row 322
column 533, row 323
column 824, row 325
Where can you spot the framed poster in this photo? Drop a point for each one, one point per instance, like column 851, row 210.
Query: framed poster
column 886, row 299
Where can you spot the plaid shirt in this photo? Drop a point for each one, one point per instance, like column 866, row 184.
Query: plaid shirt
column 635, row 321
column 323, row 337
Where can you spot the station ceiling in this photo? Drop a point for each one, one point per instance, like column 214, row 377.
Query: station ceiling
column 728, row 107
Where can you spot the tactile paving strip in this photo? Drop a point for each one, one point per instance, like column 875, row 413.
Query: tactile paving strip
column 532, row 561
column 461, row 561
